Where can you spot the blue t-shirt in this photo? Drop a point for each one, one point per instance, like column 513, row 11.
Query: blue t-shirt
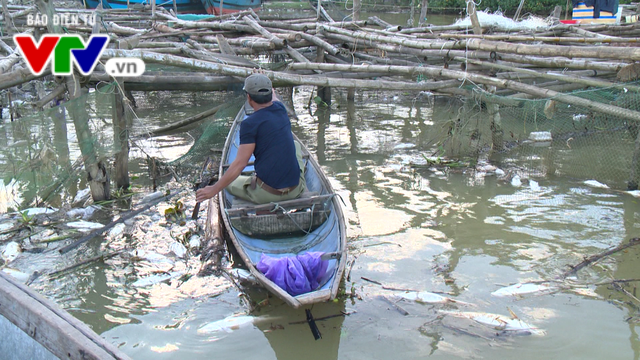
column 270, row 129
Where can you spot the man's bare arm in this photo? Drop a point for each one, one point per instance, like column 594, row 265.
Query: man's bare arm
column 234, row 170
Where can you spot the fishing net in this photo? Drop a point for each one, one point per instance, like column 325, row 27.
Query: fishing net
column 584, row 144
column 42, row 152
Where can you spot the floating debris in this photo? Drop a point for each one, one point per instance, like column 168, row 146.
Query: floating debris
column 37, row 211
column 194, row 242
column 534, row 186
column 11, row 251
column 243, row 275
column 516, row 181
column 16, row 274
column 540, row 136
column 155, row 279
column 227, row 324
column 117, row 230
column 151, row 197
column 427, row 297
column 596, row 184
column 498, row 322
column 82, row 196
column 149, row 256
column 518, row 290
column 84, row 213
column 178, row 249
column 84, row 225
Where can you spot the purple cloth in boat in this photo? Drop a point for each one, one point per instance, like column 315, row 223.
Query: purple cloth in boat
column 295, row 274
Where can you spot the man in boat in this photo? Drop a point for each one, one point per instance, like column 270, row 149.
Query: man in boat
column 266, row 134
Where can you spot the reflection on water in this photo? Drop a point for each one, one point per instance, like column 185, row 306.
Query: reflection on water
column 419, row 229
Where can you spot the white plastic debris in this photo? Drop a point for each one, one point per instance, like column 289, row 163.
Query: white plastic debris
column 82, row 196
column 178, row 249
column 596, row 184
column 516, row 181
column 533, row 185
column 11, row 251
column 84, row 213
column 155, row 279
column 84, row 225
column 194, row 242
column 16, row 274
column 579, row 117
column 500, row 172
column 227, row 324
column 117, row 230
column 541, row 136
column 150, row 197
column 38, row 211
column 635, row 193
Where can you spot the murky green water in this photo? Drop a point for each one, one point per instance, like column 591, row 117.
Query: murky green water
column 454, row 232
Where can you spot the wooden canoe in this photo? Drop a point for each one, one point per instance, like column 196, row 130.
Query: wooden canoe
column 247, row 224
column 33, row 327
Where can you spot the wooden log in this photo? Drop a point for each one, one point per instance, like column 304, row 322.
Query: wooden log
column 399, row 49
column 362, row 35
column 555, row 76
column 20, row 76
column 528, row 38
column 473, row 16
column 121, row 121
column 185, row 82
column 560, row 62
column 262, row 31
column 317, row 41
column 224, row 46
column 188, row 121
column 8, row 20
column 98, row 176
column 423, row 13
column 55, row 93
column 509, row 84
column 598, row 52
column 63, row 335
column 283, row 78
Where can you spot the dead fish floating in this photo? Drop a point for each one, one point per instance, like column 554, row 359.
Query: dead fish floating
column 503, row 323
column 155, row 279
column 227, row 324
column 11, row 251
column 426, row 297
column 84, row 225
column 16, row 274
column 521, row 290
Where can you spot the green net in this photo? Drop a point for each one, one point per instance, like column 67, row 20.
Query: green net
column 584, row 144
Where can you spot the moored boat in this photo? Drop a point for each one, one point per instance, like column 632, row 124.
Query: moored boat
column 309, row 225
column 218, row 7
column 183, row 6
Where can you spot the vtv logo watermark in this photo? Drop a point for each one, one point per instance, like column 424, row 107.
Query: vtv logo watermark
column 63, row 51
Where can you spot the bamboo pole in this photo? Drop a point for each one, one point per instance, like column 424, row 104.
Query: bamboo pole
column 121, row 124
column 559, row 62
column 283, row 78
column 262, row 31
column 473, row 16
column 556, row 39
column 550, row 75
column 188, row 121
column 509, row 84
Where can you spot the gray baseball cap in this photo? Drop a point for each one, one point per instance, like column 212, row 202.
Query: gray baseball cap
column 257, row 84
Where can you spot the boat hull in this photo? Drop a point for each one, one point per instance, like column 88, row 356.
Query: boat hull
column 330, row 237
column 213, row 7
column 183, row 6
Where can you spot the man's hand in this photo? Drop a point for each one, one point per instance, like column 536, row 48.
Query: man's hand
column 205, row 193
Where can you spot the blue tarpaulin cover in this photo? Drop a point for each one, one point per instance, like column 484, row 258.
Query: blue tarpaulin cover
column 295, row 274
